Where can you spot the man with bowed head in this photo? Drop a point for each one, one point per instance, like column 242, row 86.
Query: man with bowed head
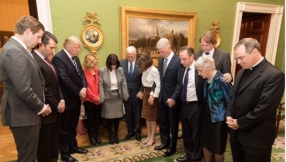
column 169, row 68
column 23, row 98
column 73, row 85
column 133, row 106
column 251, row 113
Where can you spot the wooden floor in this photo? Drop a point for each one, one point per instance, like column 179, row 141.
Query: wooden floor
column 8, row 148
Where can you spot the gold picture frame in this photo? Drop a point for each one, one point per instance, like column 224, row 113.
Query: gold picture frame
column 92, row 35
column 127, row 13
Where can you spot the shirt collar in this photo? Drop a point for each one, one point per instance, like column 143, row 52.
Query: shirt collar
column 39, row 54
column 21, row 42
column 69, row 55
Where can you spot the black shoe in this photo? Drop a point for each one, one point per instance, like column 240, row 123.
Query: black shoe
column 138, row 136
column 116, row 139
column 111, row 139
column 161, row 147
column 169, row 152
column 98, row 140
column 69, row 159
column 182, row 159
column 79, row 151
column 92, row 141
column 129, row 135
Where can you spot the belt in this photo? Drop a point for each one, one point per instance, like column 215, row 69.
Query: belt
column 189, row 102
column 114, row 91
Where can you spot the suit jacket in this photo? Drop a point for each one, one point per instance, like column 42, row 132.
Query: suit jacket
column 53, row 94
column 254, row 105
column 134, row 84
column 199, row 82
column 70, row 81
column 23, row 86
column 169, row 83
column 222, row 60
column 105, row 84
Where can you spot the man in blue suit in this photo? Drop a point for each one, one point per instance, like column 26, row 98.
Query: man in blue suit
column 169, row 68
column 133, row 106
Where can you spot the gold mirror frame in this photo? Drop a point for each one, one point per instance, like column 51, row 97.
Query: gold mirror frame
column 92, row 35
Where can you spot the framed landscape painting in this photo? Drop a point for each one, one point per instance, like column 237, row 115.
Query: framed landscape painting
column 142, row 28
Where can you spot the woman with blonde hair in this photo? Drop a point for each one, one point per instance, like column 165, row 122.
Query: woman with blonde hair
column 151, row 82
column 91, row 101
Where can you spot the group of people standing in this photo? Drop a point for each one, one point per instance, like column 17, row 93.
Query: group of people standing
column 42, row 97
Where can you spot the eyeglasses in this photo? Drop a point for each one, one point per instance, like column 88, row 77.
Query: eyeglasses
column 239, row 58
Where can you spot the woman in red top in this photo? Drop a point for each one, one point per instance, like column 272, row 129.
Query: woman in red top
column 90, row 102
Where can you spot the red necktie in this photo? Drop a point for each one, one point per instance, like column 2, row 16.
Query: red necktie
column 50, row 64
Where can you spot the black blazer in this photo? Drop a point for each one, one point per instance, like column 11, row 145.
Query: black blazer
column 53, row 94
column 70, row 81
column 254, row 105
column 199, row 82
column 222, row 60
column 134, row 84
column 170, row 87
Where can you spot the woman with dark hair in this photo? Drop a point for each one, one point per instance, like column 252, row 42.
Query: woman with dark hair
column 91, row 100
column 151, row 83
column 113, row 90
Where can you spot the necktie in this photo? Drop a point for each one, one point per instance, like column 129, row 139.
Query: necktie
column 75, row 64
column 165, row 66
column 49, row 63
column 185, row 86
column 131, row 70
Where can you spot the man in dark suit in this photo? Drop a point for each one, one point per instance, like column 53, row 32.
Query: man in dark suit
column 48, row 148
column 133, row 106
column 251, row 114
column 222, row 59
column 192, row 88
column 23, row 98
column 169, row 68
column 73, row 85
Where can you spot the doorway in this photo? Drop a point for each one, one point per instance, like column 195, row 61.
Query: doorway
column 275, row 12
column 255, row 25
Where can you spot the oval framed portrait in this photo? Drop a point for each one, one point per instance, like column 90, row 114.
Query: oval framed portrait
column 92, row 36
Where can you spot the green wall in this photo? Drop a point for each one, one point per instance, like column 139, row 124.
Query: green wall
column 67, row 19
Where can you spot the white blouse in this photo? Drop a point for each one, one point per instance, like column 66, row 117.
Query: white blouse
column 150, row 76
column 113, row 80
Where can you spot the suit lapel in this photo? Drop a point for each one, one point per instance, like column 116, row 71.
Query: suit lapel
column 45, row 65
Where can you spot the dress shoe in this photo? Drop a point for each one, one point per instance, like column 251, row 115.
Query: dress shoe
column 169, row 152
column 69, row 159
column 79, row 151
column 116, row 139
column 161, row 147
column 138, row 136
column 129, row 135
column 150, row 144
column 182, row 159
column 92, row 141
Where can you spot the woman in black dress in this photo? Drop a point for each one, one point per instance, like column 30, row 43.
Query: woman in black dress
column 216, row 98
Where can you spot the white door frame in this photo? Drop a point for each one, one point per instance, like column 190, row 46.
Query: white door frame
column 276, row 12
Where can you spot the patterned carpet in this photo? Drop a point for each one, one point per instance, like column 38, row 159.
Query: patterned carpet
column 132, row 151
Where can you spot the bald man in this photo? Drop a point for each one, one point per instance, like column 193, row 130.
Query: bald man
column 73, row 86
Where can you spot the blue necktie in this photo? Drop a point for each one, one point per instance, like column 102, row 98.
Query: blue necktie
column 75, row 64
column 131, row 70
column 185, row 86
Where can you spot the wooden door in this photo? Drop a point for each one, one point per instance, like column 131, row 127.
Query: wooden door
column 256, row 26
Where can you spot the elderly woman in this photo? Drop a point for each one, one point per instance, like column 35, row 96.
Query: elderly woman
column 216, row 98
column 91, row 101
column 150, row 77
column 113, row 90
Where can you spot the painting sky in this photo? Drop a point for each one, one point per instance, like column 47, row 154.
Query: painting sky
column 140, row 26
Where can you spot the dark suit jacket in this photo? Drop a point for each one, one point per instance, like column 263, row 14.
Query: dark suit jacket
column 53, row 94
column 71, row 82
column 23, row 86
column 169, row 83
column 254, row 105
column 134, row 84
column 199, row 82
column 222, row 60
